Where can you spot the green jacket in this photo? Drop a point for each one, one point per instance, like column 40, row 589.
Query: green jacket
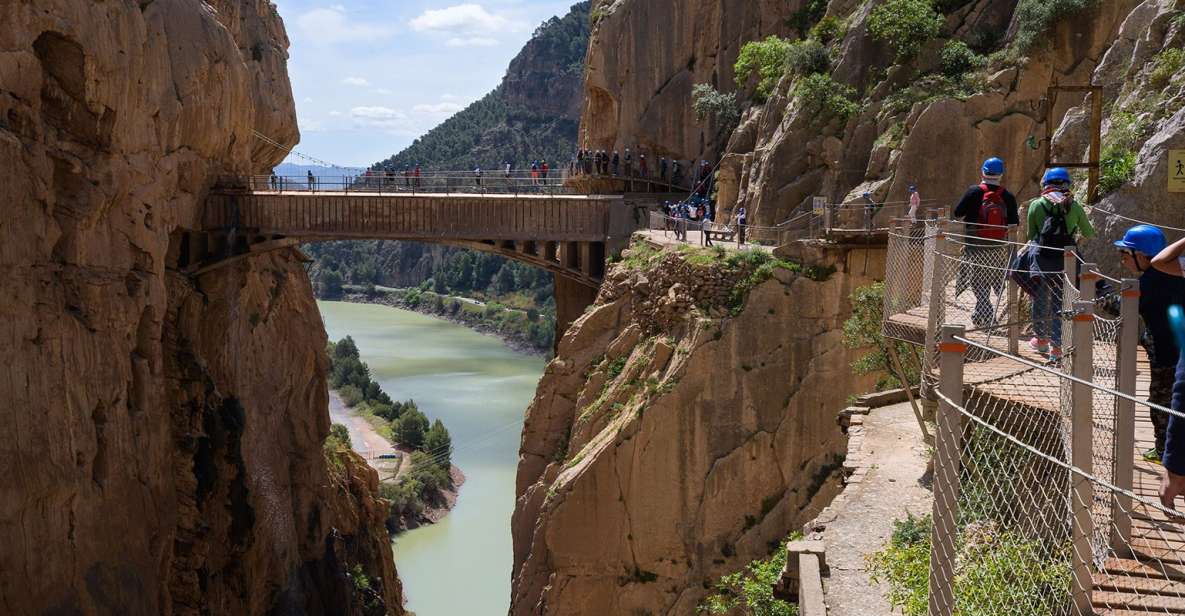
column 1076, row 221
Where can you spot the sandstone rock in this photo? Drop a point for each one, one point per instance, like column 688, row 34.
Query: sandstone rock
column 165, row 432
column 717, row 437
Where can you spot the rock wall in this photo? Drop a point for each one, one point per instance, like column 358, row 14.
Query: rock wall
column 911, row 127
column 680, row 433
column 164, row 431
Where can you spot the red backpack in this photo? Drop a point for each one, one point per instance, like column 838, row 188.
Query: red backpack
column 993, row 214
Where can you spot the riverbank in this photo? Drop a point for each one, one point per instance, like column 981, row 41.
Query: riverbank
column 366, row 441
column 470, row 315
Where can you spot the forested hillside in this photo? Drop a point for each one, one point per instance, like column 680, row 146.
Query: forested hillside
column 533, row 115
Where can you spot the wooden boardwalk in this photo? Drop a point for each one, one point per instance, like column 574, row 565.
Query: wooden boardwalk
column 1143, row 578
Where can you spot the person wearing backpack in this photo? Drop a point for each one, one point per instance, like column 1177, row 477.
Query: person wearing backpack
column 987, row 211
column 1055, row 221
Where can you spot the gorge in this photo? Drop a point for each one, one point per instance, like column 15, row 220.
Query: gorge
column 167, row 420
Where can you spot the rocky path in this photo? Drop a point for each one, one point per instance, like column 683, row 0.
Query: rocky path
column 885, row 486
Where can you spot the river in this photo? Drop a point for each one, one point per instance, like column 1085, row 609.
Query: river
column 480, row 388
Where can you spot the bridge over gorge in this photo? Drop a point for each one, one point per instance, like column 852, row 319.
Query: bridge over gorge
column 548, row 223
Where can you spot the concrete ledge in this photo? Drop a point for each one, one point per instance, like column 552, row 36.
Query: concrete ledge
column 802, row 576
column 810, row 586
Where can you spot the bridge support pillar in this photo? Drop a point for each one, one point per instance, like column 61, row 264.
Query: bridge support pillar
column 571, row 298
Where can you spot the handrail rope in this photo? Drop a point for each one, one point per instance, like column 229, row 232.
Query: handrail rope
column 291, row 151
column 1069, row 467
column 1095, row 208
column 1106, row 390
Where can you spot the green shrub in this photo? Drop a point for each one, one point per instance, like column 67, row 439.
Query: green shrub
column 709, row 103
column 807, row 57
column 340, row 434
column 826, row 99
column 828, row 29
column 863, row 330
column 958, row 59
column 750, row 591
column 905, row 25
column 1168, row 64
column 1036, row 17
column 351, row 395
column 766, row 59
column 1118, row 168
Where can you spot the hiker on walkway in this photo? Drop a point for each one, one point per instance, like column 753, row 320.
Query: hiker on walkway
column 705, row 225
column 677, row 173
column 616, row 163
column 987, row 211
column 915, row 203
column 643, row 169
column 1158, row 291
column 417, row 173
column 274, row 181
column 1171, row 261
column 579, row 162
column 508, row 168
column 742, row 218
column 477, row 176
column 543, row 169
column 629, row 163
column 662, row 168
column 1056, row 219
column 312, row 181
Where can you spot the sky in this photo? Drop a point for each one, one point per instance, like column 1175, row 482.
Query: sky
column 369, row 76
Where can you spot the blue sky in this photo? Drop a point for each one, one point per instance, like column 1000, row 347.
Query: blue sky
column 369, row 76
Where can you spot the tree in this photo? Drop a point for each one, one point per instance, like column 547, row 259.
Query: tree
column 410, row 428
column 708, row 103
column 331, row 284
column 766, row 59
column 439, row 444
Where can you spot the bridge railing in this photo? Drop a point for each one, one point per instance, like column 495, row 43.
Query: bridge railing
column 1041, row 505
column 486, row 184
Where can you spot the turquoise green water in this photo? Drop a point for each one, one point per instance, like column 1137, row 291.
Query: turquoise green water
column 480, row 389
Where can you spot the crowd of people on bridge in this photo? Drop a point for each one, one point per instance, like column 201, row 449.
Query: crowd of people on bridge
column 1055, row 223
column 671, row 171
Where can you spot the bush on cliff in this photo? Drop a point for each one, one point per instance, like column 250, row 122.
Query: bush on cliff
column 863, row 331
column 751, row 590
column 825, row 99
column 767, row 60
column 1034, row 18
column 905, row 25
column 709, row 103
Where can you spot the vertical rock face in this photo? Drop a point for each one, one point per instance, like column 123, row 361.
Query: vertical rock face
column 646, row 55
column 164, row 432
column 670, row 443
column 910, row 126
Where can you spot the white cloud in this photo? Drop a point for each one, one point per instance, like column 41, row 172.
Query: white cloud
column 460, row 19
column 449, row 97
column 309, row 125
column 356, row 81
column 476, row 41
column 391, row 120
column 332, row 25
column 439, row 108
column 383, row 91
column 335, row 114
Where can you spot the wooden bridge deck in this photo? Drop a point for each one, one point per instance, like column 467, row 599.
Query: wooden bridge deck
column 1150, row 578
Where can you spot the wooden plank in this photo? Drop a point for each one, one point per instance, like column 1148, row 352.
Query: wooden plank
column 1138, row 602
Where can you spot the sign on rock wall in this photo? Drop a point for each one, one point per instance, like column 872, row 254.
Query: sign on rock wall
column 1177, row 171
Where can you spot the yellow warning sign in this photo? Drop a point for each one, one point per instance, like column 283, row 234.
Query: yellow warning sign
column 1177, row 171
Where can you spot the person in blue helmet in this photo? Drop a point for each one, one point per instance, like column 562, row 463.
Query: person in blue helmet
column 1171, row 261
column 1158, row 291
column 1055, row 221
column 987, row 210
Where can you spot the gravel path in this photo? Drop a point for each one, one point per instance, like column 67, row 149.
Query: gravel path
column 363, row 437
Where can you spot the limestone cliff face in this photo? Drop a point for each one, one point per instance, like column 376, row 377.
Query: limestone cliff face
column 164, row 431
column 906, row 130
column 671, row 442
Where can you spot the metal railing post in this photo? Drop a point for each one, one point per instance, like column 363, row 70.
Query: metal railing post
column 1013, row 313
column 1082, row 455
column 1125, row 411
column 944, row 531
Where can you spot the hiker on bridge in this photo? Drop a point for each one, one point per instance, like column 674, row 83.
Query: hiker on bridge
column 643, row 169
column 274, row 181
column 1171, row 261
column 629, row 163
column 312, row 180
column 477, row 176
column 1055, row 221
column 416, row 182
column 662, row 168
column 616, row 163
column 676, row 173
column 543, row 169
column 987, row 210
column 1158, row 291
